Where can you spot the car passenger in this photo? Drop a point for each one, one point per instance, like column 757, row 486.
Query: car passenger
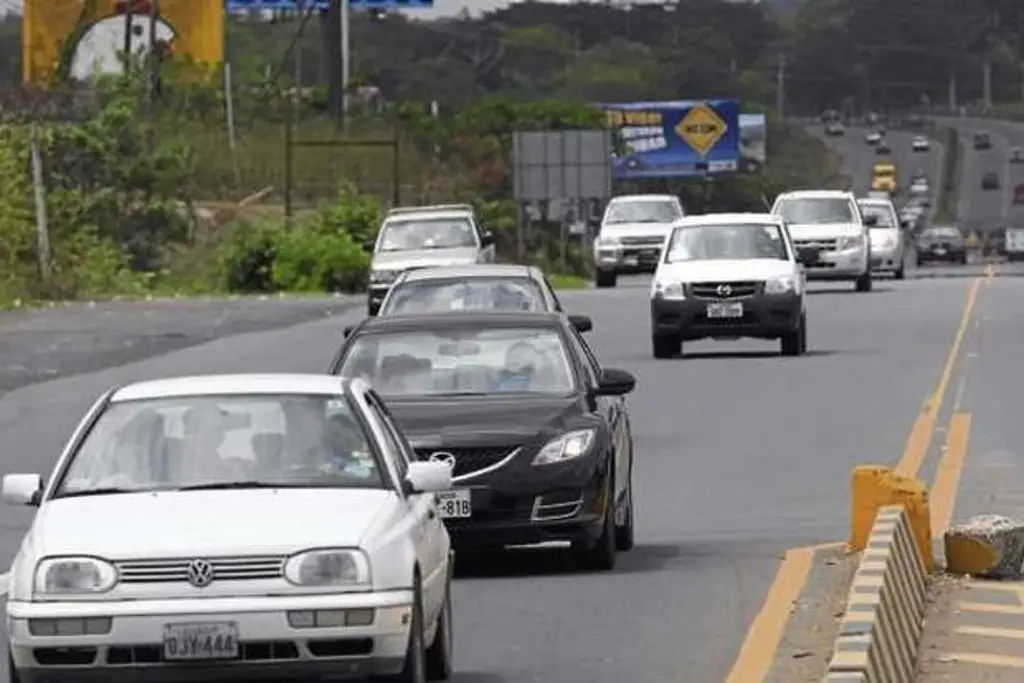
column 523, row 362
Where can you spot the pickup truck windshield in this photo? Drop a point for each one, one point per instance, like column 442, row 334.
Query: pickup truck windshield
column 815, row 210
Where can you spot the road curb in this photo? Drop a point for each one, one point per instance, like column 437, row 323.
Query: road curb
column 880, row 632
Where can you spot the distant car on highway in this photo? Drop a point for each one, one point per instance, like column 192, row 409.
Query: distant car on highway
column 919, row 187
column 873, row 137
column 921, row 143
column 1018, row 194
column 982, row 140
column 990, row 181
column 883, row 147
column 941, row 243
column 835, row 129
column 829, row 224
column 1014, row 243
column 631, row 235
column 888, row 240
column 1017, row 155
column 535, row 431
column 728, row 276
column 327, row 530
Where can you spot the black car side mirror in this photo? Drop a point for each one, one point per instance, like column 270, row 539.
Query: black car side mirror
column 615, row 383
column 368, row 246
column 582, row 323
column 487, row 239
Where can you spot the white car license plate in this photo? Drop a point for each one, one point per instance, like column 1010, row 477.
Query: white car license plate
column 940, row 252
column 211, row 640
column 725, row 310
column 455, row 504
column 632, row 260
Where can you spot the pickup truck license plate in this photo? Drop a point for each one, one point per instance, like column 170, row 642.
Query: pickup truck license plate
column 940, row 251
column 455, row 504
column 725, row 310
column 211, row 640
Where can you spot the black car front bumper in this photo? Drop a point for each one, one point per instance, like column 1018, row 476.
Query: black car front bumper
column 945, row 254
column 523, row 504
column 765, row 316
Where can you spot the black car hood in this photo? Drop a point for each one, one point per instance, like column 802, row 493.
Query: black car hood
column 482, row 421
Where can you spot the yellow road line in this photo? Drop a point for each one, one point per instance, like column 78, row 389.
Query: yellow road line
column 947, row 474
column 990, row 608
column 984, row 659
column 757, row 654
column 990, row 632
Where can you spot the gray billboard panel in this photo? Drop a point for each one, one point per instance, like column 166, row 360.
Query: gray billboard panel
column 565, row 164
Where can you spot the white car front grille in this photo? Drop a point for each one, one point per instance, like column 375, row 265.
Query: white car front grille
column 224, row 569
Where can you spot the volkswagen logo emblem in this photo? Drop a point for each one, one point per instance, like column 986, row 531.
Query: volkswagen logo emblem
column 200, row 573
column 724, row 290
column 445, row 457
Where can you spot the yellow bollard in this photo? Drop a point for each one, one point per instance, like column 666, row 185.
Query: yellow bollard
column 873, row 487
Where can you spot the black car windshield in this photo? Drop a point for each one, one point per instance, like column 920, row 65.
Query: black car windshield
column 462, row 361
column 236, row 441
column 820, row 210
column 717, row 242
column 408, row 234
column 642, row 211
column 468, row 294
column 882, row 215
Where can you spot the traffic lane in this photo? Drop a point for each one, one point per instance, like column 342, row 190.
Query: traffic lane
column 981, row 209
column 992, row 392
column 740, row 455
column 64, row 339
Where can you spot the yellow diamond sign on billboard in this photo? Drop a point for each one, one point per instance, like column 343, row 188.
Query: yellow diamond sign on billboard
column 701, row 128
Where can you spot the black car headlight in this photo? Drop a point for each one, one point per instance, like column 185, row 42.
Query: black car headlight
column 568, row 446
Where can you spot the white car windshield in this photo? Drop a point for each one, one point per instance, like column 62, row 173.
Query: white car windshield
column 714, row 242
column 234, row 441
column 818, row 210
column 469, row 294
column 409, row 234
column 882, row 215
column 475, row 361
column 647, row 211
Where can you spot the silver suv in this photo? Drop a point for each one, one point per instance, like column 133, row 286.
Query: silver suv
column 633, row 229
column 421, row 237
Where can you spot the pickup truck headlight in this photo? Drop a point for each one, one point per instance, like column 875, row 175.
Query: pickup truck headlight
column 383, row 277
column 607, row 243
column 848, row 243
column 671, row 291
column 67, row 576
column 779, row 285
column 328, row 567
column 565, row 447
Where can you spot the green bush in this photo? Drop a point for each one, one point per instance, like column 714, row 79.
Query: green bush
column 355, row 214
column 309, row 260
column 247, row 256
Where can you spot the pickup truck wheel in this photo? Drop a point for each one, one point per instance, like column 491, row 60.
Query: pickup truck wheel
column 605, row 278
column 795, row 343
column 864, row 282
column 665, row 347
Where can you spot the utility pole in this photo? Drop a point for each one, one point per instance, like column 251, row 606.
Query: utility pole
column 986, row 76
column 128, row 14
column 780, row 87
column 952, row 92
column 154, row 55
column 346, row 58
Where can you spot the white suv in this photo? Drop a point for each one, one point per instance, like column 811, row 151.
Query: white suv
column 726, row 276
column 830, row 233
column 632, row 231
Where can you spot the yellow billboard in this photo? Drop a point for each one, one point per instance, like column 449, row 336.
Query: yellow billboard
column 81, row 39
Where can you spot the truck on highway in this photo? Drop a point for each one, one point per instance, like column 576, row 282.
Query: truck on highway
column 884, row 178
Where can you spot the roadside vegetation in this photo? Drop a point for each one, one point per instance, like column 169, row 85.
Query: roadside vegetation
column 157, row 200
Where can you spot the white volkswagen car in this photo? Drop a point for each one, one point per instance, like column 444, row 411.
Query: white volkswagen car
column 726, row 276
column 236, row 527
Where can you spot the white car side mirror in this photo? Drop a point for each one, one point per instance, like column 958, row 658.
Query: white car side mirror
column 429, row 477
column 22, row 489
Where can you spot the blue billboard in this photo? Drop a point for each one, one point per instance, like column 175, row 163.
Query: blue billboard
column 679, row 139
column 262, row 5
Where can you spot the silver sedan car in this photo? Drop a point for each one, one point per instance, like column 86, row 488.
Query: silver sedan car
column 888, row 241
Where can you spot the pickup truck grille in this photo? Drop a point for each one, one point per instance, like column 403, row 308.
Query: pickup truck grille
column 725, row 290
column 820, row 245
column 649, row 241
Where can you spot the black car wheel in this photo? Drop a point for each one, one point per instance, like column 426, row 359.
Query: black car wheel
column 901, row 272
column 963, row 259
column 12, row 671
column 415, row 668
column 599, row 554
column 794, row 343
column 605, row 278
column 665, row 347
column 624, row 532
column 864, row 282
column 439, row 654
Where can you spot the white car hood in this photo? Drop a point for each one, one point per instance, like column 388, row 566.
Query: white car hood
column 191, row 523
column 730, row 270
column 827, row 231
column 425, row 258
column 635, row 229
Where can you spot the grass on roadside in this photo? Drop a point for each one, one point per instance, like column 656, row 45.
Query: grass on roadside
column 946, row 209
column 561, row 281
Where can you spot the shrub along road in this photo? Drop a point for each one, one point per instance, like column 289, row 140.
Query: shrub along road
column 741, row 455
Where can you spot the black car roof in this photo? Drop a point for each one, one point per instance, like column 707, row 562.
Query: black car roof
column 472, row 270
column 456, row 320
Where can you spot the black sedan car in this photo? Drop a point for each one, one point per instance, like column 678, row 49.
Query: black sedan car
column 535, row 430
column 941, row 243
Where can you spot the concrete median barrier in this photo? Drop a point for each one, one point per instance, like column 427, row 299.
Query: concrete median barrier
column 872, row 487
column 986, row 546
column 880, row 632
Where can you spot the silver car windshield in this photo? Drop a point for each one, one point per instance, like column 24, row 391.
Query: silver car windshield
column 819, row 210
column 470, row 294
column 715, row 242
column 465, row 362
column 642, row 212
column 293, row 441
column 426, row 233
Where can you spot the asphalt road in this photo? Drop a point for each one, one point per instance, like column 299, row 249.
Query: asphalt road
column 741, row 454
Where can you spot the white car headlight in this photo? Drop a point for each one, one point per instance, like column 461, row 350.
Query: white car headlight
column 607, row 242
column 383, row 277
column 329, row 567
column 780, row 285
column 64, row 576
column 855, row 242
column 565, row 447
column 673, row 291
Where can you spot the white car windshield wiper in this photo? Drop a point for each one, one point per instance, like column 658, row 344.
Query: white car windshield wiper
column 224, row 485
column 102, row 491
